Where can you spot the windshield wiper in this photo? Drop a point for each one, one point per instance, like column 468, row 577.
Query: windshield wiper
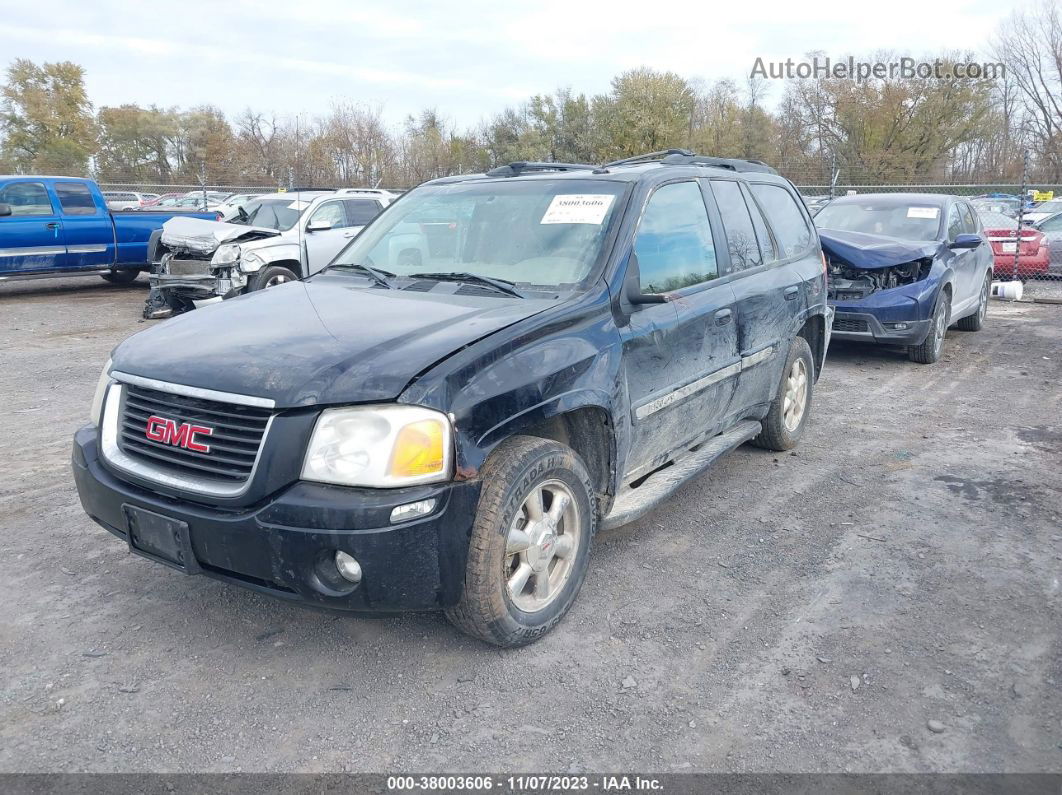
column 381, row 277
column 501, row 285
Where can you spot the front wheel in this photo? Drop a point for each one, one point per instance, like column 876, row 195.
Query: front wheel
column 930, row 349
column 124, row 276
column 788, row 414
column 271, row 276
column 530, row 542
column 976, row 321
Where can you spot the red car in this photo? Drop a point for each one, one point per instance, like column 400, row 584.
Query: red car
column 1034, row 256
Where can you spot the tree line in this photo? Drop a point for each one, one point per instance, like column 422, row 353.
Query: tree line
column 895, row 130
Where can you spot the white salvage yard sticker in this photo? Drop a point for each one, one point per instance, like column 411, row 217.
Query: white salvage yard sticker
column 923, row 212
column 578, row 208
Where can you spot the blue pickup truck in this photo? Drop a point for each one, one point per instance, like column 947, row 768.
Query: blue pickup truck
column 60, row 226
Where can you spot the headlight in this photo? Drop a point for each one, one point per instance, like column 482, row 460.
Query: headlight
column 101, row 392
column 226, row 254
column 379, row 447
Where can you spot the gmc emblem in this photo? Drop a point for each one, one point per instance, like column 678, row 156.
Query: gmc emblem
column 167, row 431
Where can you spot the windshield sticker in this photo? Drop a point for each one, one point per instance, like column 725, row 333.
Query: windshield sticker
column 923, row 212
column 578, row 208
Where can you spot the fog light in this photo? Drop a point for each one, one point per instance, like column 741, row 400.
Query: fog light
column 898, row 326
column 349, row 569
column 411, row 510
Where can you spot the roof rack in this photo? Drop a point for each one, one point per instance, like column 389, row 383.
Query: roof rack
column 731, row 163
column 684, row 157
column 520, row 166
column 649, row 156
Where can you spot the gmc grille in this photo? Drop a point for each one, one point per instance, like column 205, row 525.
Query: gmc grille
column 234, row 443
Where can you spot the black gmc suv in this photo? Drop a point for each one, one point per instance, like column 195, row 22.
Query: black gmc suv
column 499, row 366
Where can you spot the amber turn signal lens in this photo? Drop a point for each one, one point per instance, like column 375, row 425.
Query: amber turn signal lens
column 418, row 450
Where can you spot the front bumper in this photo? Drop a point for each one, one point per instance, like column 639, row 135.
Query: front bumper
column 865, row 327
column 278, row 545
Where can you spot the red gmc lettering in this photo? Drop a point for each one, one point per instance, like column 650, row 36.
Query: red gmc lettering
column 167, row 431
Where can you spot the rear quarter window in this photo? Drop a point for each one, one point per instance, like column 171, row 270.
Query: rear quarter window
column 787, row 220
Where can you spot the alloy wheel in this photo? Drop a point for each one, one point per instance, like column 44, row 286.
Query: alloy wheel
column 795, row 399
column 541, row 545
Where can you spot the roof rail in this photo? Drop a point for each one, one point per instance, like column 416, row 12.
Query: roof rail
column 520, row 166
column 649, row 156
column 731, row 163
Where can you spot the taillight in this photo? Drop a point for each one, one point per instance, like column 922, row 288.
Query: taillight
column 217, row 216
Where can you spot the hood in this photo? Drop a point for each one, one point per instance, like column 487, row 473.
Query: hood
column 330, row 340
column 203, row 237
column 863, row 250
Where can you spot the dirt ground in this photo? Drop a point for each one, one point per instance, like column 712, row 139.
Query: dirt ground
column 811, row 611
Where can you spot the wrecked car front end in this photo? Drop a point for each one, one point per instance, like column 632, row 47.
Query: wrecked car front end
column 200, row 260
column 882, row 289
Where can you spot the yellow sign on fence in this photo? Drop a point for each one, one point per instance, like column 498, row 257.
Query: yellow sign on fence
column 1042, row 195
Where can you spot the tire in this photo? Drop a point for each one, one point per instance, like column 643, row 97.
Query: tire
column 271, row 276
column 497, row 557
column 121, row 277
column 785, row 421
column 976, row 321
column 932, row 346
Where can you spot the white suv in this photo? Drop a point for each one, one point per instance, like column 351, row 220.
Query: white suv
column 269, row 240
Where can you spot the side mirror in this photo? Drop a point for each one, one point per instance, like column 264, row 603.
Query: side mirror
column 318, row 226
column 966, row 240
column 5, row 209
column 632, row 285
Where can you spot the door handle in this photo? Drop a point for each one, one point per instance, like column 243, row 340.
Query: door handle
column 723, row 316
column 52, row 225
column 348, row 234
column 791, row 293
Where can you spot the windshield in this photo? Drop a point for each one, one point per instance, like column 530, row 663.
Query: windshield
column 905, row 221
column 535, row 232
column 274, row 213
column 1049, row 207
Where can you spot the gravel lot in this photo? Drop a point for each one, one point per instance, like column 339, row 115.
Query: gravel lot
column 812, row 611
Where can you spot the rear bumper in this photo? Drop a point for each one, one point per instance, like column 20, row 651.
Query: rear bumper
column 284, row 545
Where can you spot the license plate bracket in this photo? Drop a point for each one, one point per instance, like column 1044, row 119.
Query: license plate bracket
column 160, row 538
column 1009, row 247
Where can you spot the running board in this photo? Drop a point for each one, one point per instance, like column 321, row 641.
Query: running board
column 633, row 503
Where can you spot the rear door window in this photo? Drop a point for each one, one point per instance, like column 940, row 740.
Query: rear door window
column 27, row 198
column 788, row 222
column 361, row 211
column 674, row 242
column 737, row 222
column 75, row 198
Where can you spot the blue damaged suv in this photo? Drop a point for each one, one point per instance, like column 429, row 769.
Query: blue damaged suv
column 500, row 365
column 903, row 267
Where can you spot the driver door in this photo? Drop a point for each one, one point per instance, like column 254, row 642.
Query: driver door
column 327, row 231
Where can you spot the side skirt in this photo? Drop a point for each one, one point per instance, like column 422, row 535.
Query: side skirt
column 633, row 503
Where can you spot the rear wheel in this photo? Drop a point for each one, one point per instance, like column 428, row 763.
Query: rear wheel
column 785, row 421
column 124, row 276
column 930, row 349
column 530, row 542
column 976, row 321
column 273, row 275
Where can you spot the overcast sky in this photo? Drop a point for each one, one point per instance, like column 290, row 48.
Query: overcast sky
column 467, row 59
